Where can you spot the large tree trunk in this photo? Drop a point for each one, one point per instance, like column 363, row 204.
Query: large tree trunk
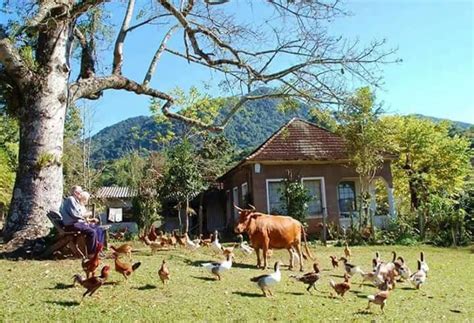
column 39, row 181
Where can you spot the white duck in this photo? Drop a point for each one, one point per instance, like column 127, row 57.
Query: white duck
column 217, row 268
column 215, row 245
column 267, row 281
column 244, row 246
column 424, row 265
column 419, row 277
column 191, row 245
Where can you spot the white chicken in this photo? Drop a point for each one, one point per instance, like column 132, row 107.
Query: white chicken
column 217, row 268
column 267, row 281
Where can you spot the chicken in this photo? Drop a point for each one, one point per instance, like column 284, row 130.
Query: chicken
column 370, row 277
column 123, row 249
column 379, row 299
column 244, row 246
column 119, row 234
column 310, row 278
column 227, row 250
column 164, row 272
column 350, row 268
column 152, row 233
column 124, row 268
column 402, row 269
column 180, row 239
column 347, row 251
column 205, row 242
column 334, row 261
column 217, row 268
column 419, row 277
column 341, row 288
column 90, row 265
column 92, row 284
column 267, row 281
column 424, row 265
column 154, row 245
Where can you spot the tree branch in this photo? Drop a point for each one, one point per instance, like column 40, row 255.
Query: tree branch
column 13, row 63
column 84, row 6
column 118, row 50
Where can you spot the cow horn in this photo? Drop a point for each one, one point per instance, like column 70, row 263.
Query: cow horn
column 238, row 208
column 252, row 207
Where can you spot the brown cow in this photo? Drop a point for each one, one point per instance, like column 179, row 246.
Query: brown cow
column 271, row 232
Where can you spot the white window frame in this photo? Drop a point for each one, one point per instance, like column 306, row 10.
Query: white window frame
column 244, row 195
column 323, row 195
column 235, row 201
column 270, row 180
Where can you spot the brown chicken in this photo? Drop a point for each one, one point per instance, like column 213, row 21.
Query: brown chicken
column 90, row 265
column 164, row 272
column 206, row 242
column 119, row 234
column 309, row 279
column 92, row 284
column 334, row 261
column 124, row 268
column 347, row 251
column 341, row 288
column 123, row 249
column 379, row 299
column 152, row 233
column 179, row 239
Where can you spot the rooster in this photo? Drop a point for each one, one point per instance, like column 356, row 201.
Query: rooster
column 123, row 268
column 341, row 288
column 90, row 265
column 309, row 279
column 92, row 284
column 164, row 272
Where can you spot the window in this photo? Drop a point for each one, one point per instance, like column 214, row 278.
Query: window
column 245, row 193
column 274, row 205
column 347, row 197
column 315, row 186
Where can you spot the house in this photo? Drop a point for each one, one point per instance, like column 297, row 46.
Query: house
column 117, row 203
column 316, row 156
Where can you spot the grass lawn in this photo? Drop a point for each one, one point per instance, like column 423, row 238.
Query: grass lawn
column 41, row 290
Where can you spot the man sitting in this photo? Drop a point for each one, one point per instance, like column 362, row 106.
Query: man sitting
column 74, row 216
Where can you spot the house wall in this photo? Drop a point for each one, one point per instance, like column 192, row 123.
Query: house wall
column 332, row 174
column 236, row 179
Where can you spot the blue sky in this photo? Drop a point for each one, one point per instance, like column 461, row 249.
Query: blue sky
column 434, row 38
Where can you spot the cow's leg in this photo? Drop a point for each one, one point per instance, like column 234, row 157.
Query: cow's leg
column 290, row 267
column 265, row 255
column 297, row 246
column 259, row 263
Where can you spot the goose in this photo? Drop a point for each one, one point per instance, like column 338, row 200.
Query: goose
column 216, row 246
column 191, row 245
column 350, row 268
column 267, row 281
column 244, row 246
column 424, row 265
column 217, row 268
column 419, row 277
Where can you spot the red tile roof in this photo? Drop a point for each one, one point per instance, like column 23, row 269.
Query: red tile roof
column 300, row 140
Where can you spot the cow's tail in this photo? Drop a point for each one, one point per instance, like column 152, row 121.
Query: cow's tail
column 303, row 233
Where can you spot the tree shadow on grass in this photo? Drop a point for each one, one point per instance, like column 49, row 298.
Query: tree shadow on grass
column 241, row 265
column 61, row 286
column 246, row 294
column 296, row 293
column 64, row 303
column 359, row 294
column 145, row 287
column 338, row 276
column 363, row 312
column 407, row 288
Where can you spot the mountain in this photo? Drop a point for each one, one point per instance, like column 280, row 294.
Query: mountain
column 248, row 128
column 457, row 124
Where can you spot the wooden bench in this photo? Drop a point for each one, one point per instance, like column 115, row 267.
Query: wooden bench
column 74, row 240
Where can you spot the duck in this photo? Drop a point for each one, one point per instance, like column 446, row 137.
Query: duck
column 424, row 265
column 217, row 268
column 350, row 269
column 403, row 269
column 215, row 245
column 376, row 261
column 244, row 246
column 191, row 245
column 269, row 280
column 164, row 272
column 418, row 278
column 310, row 278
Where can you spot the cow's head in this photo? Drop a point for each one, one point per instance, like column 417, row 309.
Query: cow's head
column 245, row 216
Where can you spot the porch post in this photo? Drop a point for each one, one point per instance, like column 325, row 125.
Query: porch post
column 391, row 203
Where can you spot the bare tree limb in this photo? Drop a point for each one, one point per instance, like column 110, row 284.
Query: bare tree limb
column 84, row 5
column 156, row 57
column 118, row 50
